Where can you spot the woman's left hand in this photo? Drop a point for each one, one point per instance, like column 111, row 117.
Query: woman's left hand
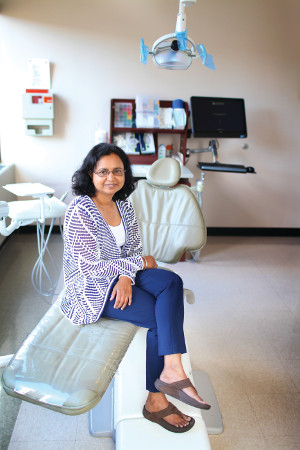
column 122, row 292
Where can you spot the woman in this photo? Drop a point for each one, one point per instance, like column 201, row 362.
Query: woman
column 107, row 275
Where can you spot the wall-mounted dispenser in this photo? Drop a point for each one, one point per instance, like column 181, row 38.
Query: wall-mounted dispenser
column 38, row 112
column 38, row 104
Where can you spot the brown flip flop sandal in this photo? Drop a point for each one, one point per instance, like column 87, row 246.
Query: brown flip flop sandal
column 175, row 390
column 158, row 417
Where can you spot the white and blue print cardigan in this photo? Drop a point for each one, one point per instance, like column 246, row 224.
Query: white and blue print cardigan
column 92, row 259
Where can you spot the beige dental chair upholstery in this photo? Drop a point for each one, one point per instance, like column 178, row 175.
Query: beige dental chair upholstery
column 65, row 367
column 169, row 216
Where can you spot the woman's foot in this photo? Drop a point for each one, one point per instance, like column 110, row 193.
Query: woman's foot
column 157, row 401
column 176, row 373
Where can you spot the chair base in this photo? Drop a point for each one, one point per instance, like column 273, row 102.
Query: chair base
column 101, row 417
column 138, row 433
column 126, row 424
column 131, row 433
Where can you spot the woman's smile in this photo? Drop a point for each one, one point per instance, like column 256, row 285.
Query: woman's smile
column 110, row 184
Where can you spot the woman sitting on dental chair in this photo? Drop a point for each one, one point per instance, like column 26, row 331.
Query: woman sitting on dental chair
column 107, row 275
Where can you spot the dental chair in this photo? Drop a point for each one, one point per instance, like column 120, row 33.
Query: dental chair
column 69, row 368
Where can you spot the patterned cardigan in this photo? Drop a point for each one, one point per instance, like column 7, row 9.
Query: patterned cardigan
column 92, row 259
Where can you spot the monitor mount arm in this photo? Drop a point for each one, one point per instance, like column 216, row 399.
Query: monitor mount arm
column 216, row 166
column 212, row 147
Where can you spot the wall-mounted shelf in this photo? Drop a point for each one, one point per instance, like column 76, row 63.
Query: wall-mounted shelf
column 149, row 159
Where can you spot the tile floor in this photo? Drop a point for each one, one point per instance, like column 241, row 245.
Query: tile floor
column 244, row 330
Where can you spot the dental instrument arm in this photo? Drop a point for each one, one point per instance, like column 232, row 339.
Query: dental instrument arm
column 25, row 212
column 14, row 225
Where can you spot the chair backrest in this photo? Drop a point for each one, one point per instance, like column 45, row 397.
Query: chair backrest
column 169, row 215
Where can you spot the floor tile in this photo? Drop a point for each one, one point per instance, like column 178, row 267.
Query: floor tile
column 256, row 348
column 278, row 415
column 40, row 424
column 282, row 332
column 238, row 443
column 96, row 444
column 205, row 346
column 224, row 377
column 262, row 297
column 239, row 418
column 9, row 409
column 264, row 377
column 292, row 367
column 283, row 442
column 42, row 445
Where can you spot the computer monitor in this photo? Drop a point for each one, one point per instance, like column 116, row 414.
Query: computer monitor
column 218, row 117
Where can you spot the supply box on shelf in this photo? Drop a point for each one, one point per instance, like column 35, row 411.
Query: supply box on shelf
column 146, row 111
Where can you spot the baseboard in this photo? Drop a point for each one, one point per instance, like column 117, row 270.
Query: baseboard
column 32, row 229
column 211, row 231
column 245, row 231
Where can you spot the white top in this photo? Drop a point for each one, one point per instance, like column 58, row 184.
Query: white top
column 119, row 234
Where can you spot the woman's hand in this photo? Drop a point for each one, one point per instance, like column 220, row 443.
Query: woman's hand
column 122, row 292
column 151, row 263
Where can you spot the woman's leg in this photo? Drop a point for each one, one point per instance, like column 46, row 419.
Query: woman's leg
column 142, row 313
column 173, row 371
column 167, row 288
column 157, row 305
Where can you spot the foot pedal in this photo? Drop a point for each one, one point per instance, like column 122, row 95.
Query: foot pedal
column 212, row 417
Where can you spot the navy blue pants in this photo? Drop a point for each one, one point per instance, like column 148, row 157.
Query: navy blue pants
column 157, row 304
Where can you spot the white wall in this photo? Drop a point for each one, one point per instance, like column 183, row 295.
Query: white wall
column 93, row 46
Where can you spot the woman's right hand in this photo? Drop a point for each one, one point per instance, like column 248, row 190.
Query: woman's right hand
column 151, row 263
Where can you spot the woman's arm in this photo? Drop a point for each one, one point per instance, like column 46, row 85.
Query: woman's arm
column 149, row 262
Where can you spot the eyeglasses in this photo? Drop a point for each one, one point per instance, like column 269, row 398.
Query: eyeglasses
column 105, row 172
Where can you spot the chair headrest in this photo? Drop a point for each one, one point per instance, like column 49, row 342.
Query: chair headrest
column 164, row 172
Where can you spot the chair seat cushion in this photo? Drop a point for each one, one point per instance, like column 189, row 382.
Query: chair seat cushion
column 67, row 367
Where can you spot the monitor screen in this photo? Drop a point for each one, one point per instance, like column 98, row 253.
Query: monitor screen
column 217, row 117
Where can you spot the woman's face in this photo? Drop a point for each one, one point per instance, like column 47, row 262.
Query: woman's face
column 111, row 182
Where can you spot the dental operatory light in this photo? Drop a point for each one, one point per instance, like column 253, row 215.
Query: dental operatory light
column 175, row 51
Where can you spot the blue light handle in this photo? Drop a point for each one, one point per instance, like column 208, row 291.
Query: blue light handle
column 207, row 59
column 144, row 52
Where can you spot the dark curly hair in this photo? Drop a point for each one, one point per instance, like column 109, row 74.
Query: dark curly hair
column 82, row 183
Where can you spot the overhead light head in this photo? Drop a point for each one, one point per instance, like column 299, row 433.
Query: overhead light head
column 168, row 53
column 175, row 51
